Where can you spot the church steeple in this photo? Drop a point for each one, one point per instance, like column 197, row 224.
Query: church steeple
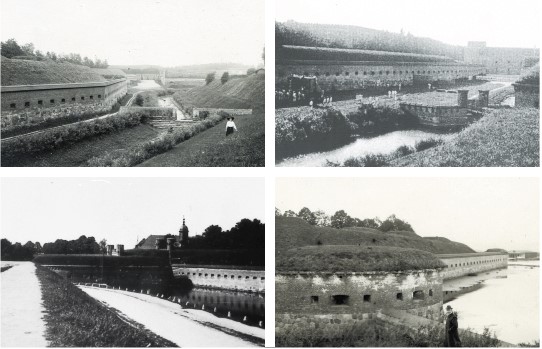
column 183, row 233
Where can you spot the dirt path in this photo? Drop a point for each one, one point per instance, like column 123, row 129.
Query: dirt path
column 185, row 327
column 22, row 310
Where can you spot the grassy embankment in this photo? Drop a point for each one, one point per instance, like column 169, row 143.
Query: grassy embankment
column 212, row 148
column 294, row 232
column 74, row 319
column 237, row 93
column 378, row 333
column 507, row 137
column 237, row 257
column 25, row 72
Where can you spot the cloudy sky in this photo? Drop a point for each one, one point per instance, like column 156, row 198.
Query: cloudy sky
column 499, row 23
column 160, row 32
column 123, row 209
column 480, row 212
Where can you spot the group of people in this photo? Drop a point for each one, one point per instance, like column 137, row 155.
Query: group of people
column 286, row 97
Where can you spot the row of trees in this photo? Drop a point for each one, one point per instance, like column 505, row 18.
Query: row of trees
column 19, row 252
column 246, row 234
column 211, row 77
column 11, row 49
column 341, row 219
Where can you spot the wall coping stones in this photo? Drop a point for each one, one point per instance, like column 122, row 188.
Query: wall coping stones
column 16, row 88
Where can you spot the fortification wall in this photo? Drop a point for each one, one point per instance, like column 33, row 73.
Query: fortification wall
column 438, row 116
column 311, row 300
column 463, row 264
column 31, row 104
column 231, row 279
column 334, row 75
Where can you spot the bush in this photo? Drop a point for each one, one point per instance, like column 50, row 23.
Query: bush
column 139, row 100
column 225, row 77
column 158, row 145
column 209, row 78
column 404, row 150
column 428, row 143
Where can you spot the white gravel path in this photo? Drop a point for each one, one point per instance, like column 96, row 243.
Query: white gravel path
column 21, row 308
column 185, row 327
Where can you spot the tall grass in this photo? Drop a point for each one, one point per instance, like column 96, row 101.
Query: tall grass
column 74, row 319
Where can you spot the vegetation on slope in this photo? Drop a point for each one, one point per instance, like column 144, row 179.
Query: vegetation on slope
column 348, row 258
column 74, row 319
column 237, row 93
column 531, row 76
column 504, row 138
column 25, row 72
column 295, row 232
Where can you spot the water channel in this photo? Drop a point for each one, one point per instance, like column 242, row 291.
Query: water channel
column 384, row 144
column 505, row 301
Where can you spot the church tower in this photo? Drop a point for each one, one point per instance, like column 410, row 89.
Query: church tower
column 183, row 234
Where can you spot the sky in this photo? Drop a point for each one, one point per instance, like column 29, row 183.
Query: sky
column 121, row 210
column 480, row 212
column 499, row 23
column 131, row 32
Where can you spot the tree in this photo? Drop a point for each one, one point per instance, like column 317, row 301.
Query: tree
column 209, row 78
column 28, row 49
column 392, row 223
column 139, row 100
column 225, row 77
column 103, row 246
column 307, row 215
column 341, row 219
column 11, row 48
column 290, row 213
column 251, row 71
column 277, row 212
column 322, row 219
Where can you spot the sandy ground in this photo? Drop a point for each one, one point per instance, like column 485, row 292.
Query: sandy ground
column 185, row 327
column 22, row 311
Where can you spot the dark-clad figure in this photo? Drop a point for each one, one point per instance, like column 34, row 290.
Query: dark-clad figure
column 452, row 336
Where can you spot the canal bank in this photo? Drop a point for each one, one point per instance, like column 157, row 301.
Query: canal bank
column 185, row 327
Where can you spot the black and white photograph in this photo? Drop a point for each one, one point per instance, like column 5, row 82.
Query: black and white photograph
column 132, row 262
column 407, row 83
column 407, row 262
column 100, row 83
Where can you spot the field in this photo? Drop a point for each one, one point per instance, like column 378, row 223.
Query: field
column 211, row 147
column 295, row 232
column 25, row 72
column 77, row 154
column 75, row 319
column 503, row 138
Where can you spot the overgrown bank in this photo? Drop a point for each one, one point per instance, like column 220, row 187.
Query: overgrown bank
column 74, row 319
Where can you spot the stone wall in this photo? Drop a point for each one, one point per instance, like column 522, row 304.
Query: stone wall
column 196, row 111
column 438, row 116
column 334, row 75
column 32, row 104
column 527, row 96
column 231, row 279
column 463, row 264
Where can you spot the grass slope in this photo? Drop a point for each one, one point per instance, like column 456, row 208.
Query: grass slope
column 77, row 154
column 212, row 148
column 23, row 72
column 239, row 93
column 74, row 319
column 343, row 258
column 295, row 232
column 503, row 138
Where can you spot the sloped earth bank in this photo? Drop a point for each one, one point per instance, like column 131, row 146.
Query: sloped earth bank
column 185, row 327
column 22, row 309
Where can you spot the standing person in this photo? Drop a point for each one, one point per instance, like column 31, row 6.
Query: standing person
column 452, row 335
column 230, row 126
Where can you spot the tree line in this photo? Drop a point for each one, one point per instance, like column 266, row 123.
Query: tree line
column 82, row 245
column 11, row 49
column 246, row 234
column 341, row 219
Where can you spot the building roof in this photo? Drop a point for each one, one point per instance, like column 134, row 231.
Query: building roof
column 352, row 259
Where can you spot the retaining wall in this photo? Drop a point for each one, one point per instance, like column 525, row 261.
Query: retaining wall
column 438, row 116
column 463, row 264
column 231, row 279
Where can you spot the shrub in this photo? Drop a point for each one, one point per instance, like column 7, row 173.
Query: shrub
column 209, row 78
column 404, row 150
column 139, row 100
column 428, row 143
column 225, row 77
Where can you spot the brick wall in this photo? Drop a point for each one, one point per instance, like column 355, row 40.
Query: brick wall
column 349, row 75
column 35, row 103
column 232, row 279
column 458, row 265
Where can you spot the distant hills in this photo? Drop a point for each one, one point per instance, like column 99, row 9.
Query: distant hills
column 201, row 70
column 30, row 72
column 295, row 232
